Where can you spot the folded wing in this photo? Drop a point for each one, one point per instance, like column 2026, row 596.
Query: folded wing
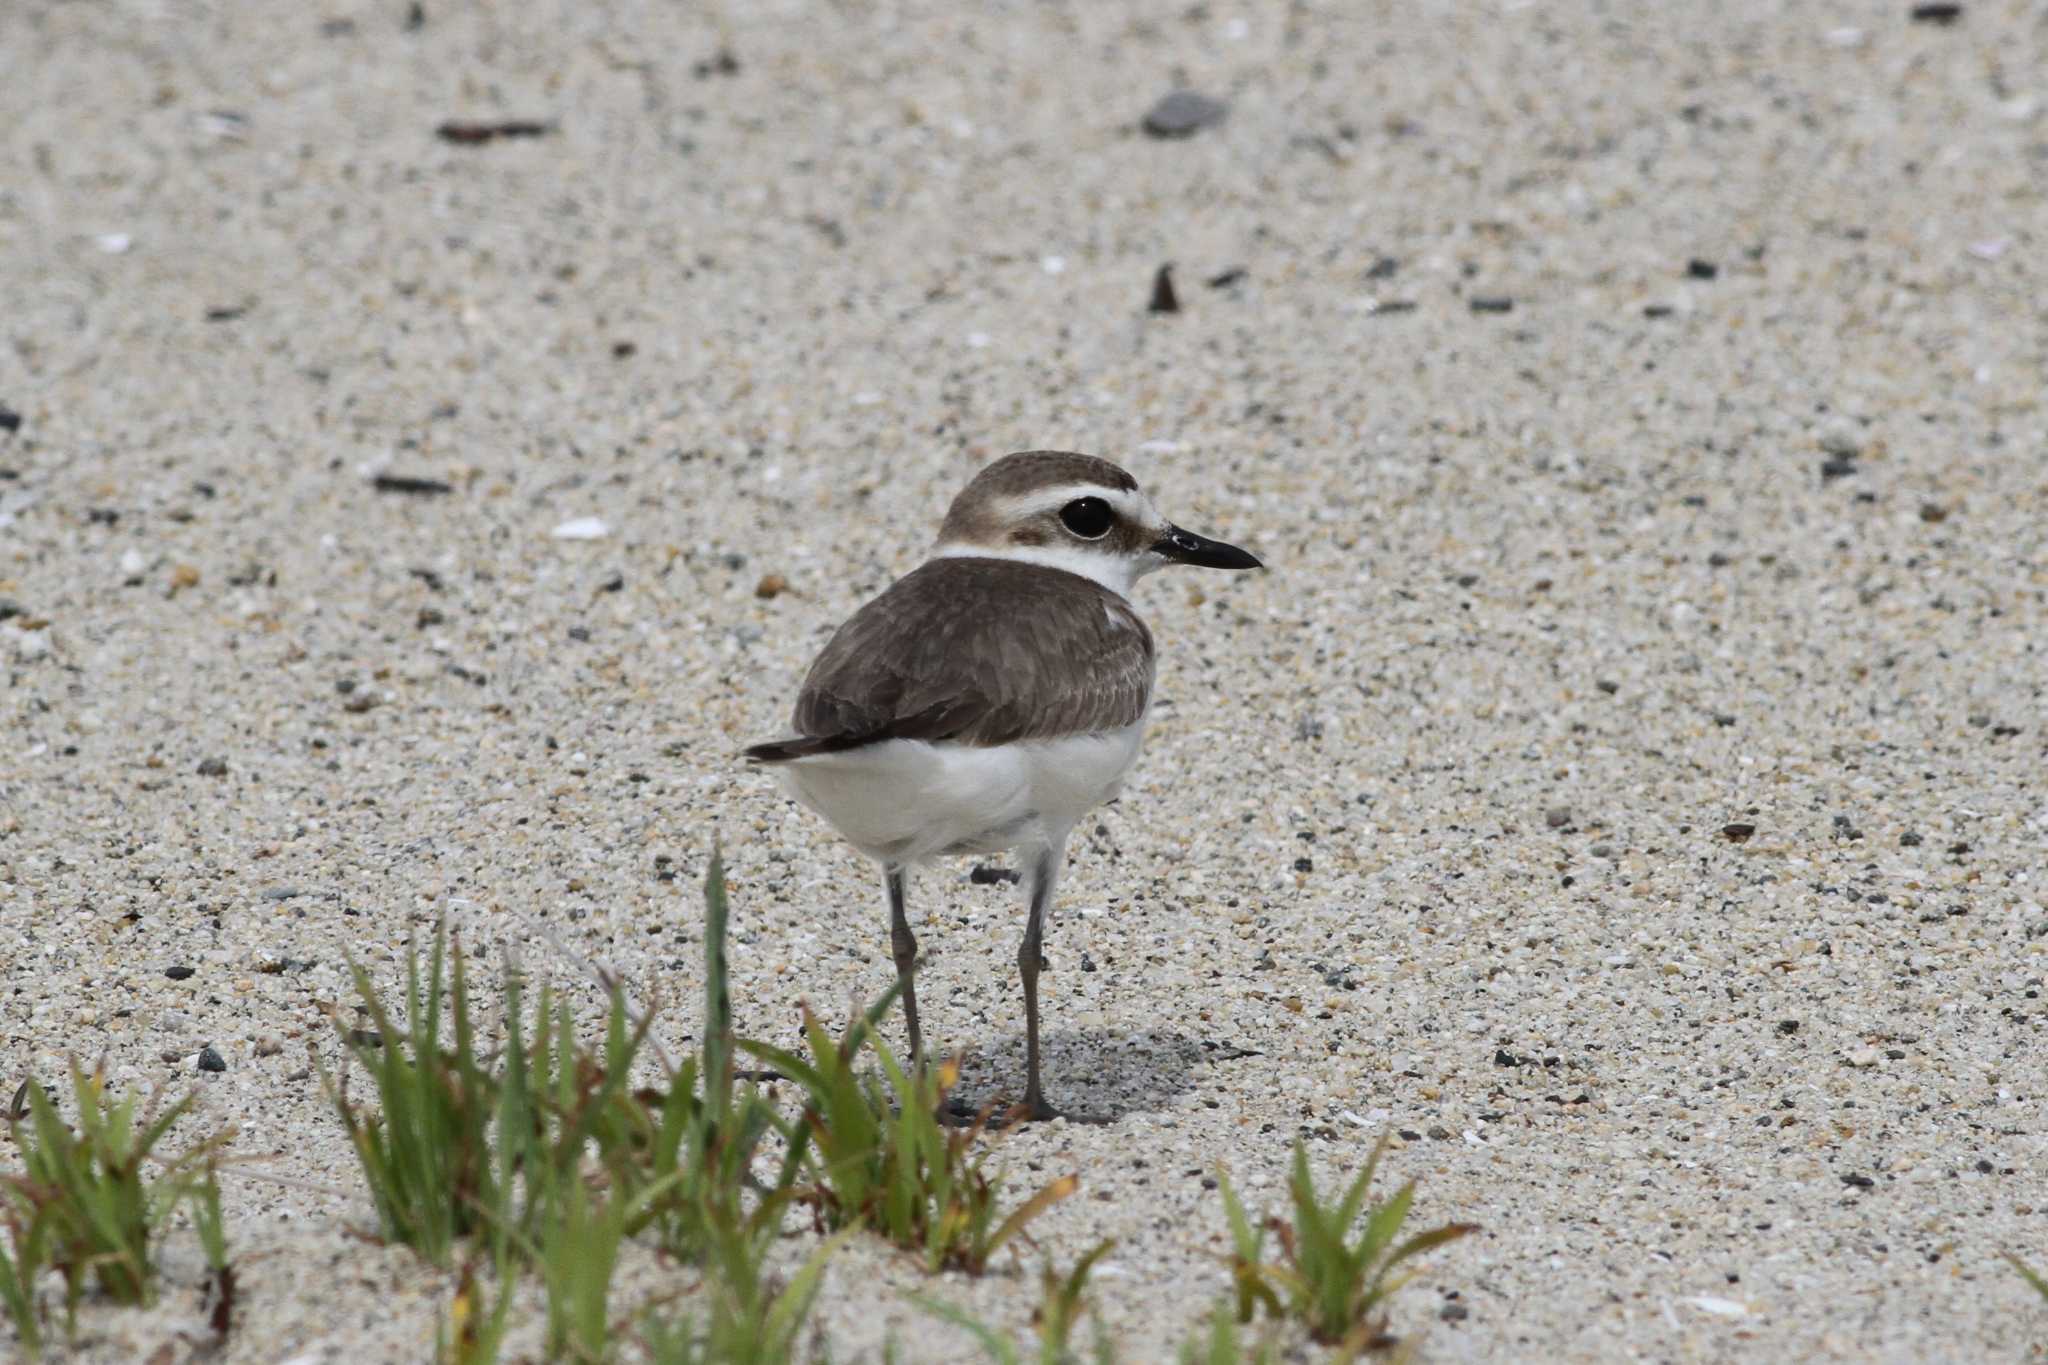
column 955, row 651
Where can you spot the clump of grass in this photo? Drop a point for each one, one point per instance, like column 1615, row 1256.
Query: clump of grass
column 426, row 1153
column 89, row 1203
column 1331, row 1284
column 1061, row 1303
column 882, row 1157
column 18, row 1272
column 1221, row 1343
column 543, row 1155
column 211, row 1227
column 750, row 1318
column 469, row 1335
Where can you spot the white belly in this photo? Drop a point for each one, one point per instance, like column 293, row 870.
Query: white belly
column 904, row 801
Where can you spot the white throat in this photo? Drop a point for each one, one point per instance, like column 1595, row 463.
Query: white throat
column 1114, row 572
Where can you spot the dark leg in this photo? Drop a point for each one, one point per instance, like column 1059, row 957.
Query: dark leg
column 1043, row 872
column 904, row 948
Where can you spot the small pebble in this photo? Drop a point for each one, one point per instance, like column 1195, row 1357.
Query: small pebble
column 583, row 528
column 179, row 973
column 410, row 483
column 213, row 767
column 1557, row 817
column 1183, row 114
column 209, row 1060
column 1163, row 299
column 771, row 586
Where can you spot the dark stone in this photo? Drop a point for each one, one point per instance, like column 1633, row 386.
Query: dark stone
column 1163, row 300
column 408, row 483
column 1836, row 467
column 986, row 875
column 468, row 134
column 722, row 63
column 209, row 1060
column 1939, row 14
column 178, row 973
column 10, row 420
column 1738, row 831
column 1492, row 303
column 213, row 767
column 1183, row 114
column 1697, row 269
column 1788, row 1026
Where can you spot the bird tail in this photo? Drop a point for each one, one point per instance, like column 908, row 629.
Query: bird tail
column 794, row 747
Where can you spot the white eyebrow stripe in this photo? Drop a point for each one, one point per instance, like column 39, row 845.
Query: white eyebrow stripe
column 1131, row 504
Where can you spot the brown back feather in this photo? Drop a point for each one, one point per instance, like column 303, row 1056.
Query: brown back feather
column 947, row 653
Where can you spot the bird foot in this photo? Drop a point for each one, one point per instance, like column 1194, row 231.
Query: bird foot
column 1036, row 1110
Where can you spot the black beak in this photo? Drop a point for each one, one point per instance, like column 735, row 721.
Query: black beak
column 1185, row 547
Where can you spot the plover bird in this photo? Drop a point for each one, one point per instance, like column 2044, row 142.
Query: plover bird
column 991, row 697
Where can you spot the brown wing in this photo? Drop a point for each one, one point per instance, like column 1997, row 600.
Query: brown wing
column 949, row 652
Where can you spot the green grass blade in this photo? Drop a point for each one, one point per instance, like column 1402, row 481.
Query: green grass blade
column 718, row 1038
column 1001, row 1349
column 1031, row 1208
column 2028, row 1273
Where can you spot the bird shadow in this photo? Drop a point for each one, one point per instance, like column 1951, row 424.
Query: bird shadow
column 1096, row 1074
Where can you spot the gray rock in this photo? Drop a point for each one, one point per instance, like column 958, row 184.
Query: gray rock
column 1183, row 114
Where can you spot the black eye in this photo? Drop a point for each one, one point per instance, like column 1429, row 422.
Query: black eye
column 1088, row 518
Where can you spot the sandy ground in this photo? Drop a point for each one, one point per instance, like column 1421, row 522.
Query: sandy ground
column 1582, row 556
